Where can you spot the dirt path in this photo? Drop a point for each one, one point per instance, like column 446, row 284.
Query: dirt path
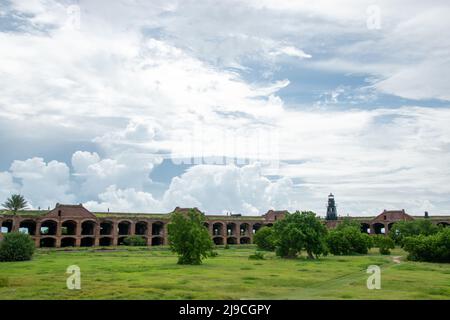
column 396, row 259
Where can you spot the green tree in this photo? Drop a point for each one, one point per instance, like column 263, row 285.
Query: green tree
column 300, row 231
column 346, row 223
column 432, row 248
column 348, row 239
column 16, row 246
column 403, row 229
column 189, row 238
column 15, row 203
column 385, row 244
column 264, row 238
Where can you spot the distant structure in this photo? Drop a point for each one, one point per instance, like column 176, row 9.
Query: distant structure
column 331, row 208
column 72, row 225
column 426, row 215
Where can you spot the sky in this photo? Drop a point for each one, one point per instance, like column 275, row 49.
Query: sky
column 230, row 106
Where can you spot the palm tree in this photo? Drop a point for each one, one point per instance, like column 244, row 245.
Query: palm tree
column 15, row 203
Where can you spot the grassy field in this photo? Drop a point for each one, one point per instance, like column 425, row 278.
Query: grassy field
column 139, row 273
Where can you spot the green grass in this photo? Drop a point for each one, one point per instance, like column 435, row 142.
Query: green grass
column 139, row 273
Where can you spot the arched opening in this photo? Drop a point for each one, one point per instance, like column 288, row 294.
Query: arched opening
column 106, row 228
column 47, row 243
column 269, row 225
column 390, row 225
column 69, row 228
column 231, row 229
column 124, row 227
column 48, row 228
column 245, row 240
column 87, row 242
column 121, row 241
column 218, row 241
column 231, row 240
column 67, row 242
column 379, row 228
column 244, row 229
column 141, row 228
column 157, row 228
column 88, row 228
column 217, row 229
column 256, row 227
column 157, row 241
column 105, row 241
column 443, row 224
column 7, row 226
column 365, row 228
column 28, row 227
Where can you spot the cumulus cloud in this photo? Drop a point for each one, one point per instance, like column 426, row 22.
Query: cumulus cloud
column 43, row 184
column 125, row 200
column 229, row 188
column 82, row 160
column 93, row 174
column 214, row 189
column 7, row 185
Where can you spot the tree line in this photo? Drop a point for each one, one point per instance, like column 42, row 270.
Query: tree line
column 303, row 231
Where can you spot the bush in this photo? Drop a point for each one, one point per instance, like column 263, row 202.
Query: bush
column 433, row 248
column 385, row 244
column 402, row 229
column 134, row 241
column 16, row 246
column 213, row 254
column 256, row 256
column 4, row 282
column 348, row 240
column 264, row 239
column 226, row 246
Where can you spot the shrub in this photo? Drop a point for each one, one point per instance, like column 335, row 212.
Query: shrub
column 16, row 246
column 213, row 254
column 134, row 241
column 300, row 231
column 226, row 246
column 348, row 240
column 264, row 239
column 385, row 244
column 402, row 229
column 189, row 238
column 433, row 248
column 257, row 256
column 4, row 282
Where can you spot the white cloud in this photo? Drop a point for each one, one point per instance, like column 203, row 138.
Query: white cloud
column 7, row 186
column 127, row 200
column 213, row 189
column 94, row 175
column 292, row 51
column 43, row 184
column 217, row 189
column 81, row 160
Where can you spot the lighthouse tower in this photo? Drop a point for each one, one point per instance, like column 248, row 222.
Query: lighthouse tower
column 331, row 208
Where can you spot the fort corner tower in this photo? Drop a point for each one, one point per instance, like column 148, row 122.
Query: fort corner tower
column 331, row 208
